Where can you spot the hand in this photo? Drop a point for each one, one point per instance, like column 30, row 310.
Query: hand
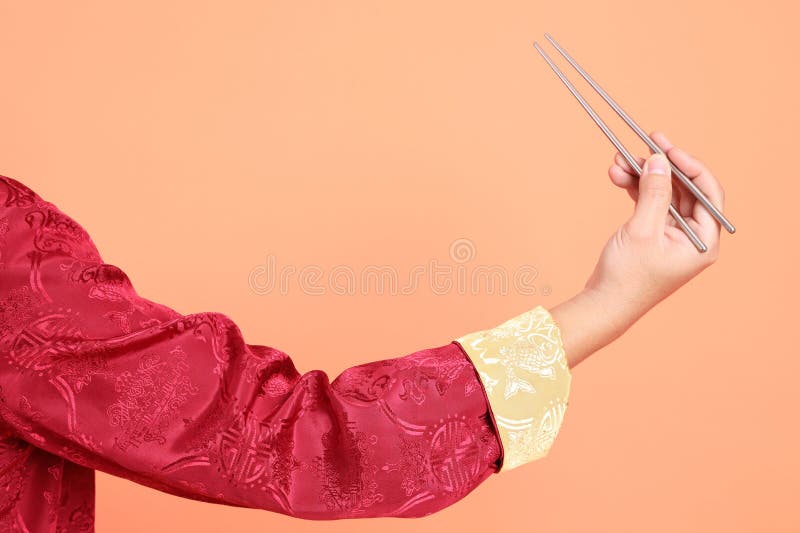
column 649, row 256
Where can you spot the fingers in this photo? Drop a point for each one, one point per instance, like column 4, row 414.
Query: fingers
column 622, row 175
column 655, row 194
column 625, row 167
column 661, row 140
column 652, row 208
column 709, row 228
column 696, row 171
column 697, row 216
column 682, row 201
column 622, row 179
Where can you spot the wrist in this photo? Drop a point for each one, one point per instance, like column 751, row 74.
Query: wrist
column 590, row 320
column 618, row 308
column 624, row 300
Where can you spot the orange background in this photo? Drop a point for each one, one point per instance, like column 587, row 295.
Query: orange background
column 192, row 139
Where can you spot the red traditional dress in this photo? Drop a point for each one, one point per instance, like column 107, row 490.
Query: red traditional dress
column 95, row 377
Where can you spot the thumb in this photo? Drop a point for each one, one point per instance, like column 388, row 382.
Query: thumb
column 655, row 195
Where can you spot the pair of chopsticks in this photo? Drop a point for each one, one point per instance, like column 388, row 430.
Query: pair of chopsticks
column 702, row 198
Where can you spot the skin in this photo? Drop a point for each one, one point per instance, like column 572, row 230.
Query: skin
column 648, row 257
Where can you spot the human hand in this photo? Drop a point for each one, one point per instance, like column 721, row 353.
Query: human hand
column 649, row 256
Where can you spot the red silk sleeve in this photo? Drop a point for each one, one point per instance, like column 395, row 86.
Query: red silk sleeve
column 93, row 376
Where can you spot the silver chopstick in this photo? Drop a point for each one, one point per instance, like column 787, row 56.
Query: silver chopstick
column 699, row 244
column 702, row 198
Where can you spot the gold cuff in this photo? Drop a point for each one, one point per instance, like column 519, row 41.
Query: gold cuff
column 524, row 371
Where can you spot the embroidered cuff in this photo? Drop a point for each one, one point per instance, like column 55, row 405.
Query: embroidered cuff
column 522, row 366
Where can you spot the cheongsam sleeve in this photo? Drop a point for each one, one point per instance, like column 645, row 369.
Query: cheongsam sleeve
column 93, row 373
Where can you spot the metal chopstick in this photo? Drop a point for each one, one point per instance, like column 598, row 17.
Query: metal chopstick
column 702, row 198
column 699, row 244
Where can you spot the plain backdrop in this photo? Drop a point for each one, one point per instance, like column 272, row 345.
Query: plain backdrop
column 195, row 139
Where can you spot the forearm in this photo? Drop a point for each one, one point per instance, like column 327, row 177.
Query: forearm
column 590, row 320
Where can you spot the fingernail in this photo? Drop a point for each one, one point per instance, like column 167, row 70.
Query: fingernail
column 656, row 164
